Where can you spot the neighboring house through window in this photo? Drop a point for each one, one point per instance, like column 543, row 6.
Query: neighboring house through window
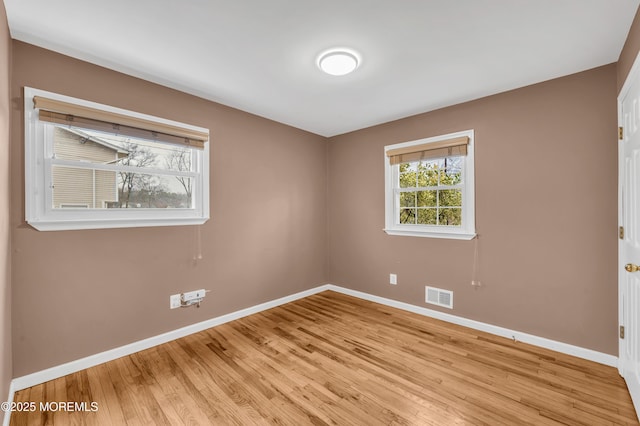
column 84, row 188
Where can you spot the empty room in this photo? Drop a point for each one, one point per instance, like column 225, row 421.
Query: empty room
column 342, row 213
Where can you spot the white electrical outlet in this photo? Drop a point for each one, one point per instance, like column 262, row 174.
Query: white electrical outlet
column 393, row 279
column 174, row 301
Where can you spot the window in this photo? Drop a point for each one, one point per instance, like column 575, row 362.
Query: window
column 90, row 166
column 430, row 187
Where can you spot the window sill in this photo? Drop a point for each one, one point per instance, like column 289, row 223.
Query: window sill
column 427, row 234
column 61, row 225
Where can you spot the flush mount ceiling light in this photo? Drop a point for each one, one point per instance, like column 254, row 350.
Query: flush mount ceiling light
column 338, row 61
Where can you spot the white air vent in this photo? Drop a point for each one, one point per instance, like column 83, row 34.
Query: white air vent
column 437, row 296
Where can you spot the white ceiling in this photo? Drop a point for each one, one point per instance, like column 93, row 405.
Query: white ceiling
column 260, row 56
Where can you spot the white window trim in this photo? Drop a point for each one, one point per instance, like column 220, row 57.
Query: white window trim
column 468, row 229
column 38, row 208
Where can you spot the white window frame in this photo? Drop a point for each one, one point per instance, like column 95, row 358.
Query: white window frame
column 39, row 211
column 74, row 206
column 467, row 230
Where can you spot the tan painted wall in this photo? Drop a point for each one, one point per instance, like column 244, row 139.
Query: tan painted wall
column 546, row 192
column 266, row 238
column 629, row 51
column 5, row 236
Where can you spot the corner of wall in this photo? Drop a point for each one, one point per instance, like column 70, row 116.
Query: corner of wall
column 6, row 364
column 629, row 51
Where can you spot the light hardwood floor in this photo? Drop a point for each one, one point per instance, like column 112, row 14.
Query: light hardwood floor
column 334, row 359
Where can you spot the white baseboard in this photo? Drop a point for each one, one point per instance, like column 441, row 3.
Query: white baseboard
column 39, row 377
column 7, row 414
column 542, row 342
column 43, row 376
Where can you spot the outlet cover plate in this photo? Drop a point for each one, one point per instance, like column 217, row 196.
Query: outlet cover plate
column 174, row 301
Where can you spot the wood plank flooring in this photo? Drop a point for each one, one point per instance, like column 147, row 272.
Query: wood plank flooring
column 337, row 360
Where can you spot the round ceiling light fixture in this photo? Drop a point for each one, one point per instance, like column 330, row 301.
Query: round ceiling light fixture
column 338, row 61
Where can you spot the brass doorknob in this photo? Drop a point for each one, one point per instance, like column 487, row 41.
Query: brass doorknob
column 630, row 267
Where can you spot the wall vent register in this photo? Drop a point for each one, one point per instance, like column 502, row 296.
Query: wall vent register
column 440, row 297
